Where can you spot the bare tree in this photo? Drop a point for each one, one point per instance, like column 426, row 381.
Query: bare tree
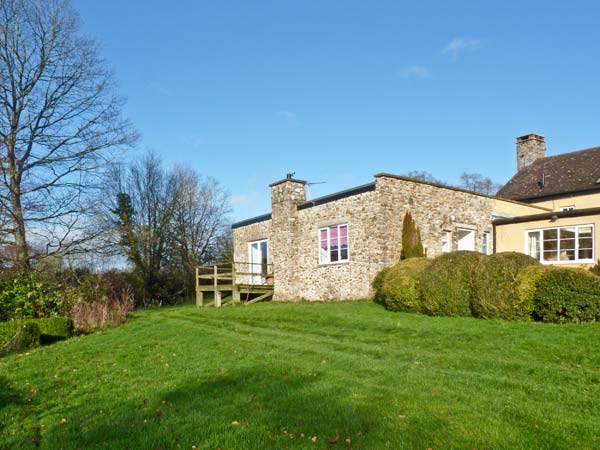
column 199, row 219
column 59, row 121
column 424, row 176
column 478, row 183
column 168, row 222
column 145, row 200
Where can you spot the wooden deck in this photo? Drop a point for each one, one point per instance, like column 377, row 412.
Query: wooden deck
column 246, row 283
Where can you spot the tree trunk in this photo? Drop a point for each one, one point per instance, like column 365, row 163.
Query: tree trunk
column 21, row 249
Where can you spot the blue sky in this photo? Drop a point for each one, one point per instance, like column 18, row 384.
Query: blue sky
column 336, row 91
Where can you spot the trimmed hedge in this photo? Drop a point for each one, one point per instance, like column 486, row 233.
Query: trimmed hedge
column 567, row 295
column 494, row 287
column 16, row 336
column 398, row 288
column 446, row 284
column 54, row 329
column 19, row 335
column 526, row 286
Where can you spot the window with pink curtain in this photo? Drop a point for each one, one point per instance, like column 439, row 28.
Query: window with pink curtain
column 333, row 244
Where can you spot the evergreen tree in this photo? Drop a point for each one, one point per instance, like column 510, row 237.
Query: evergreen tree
column 412, row 247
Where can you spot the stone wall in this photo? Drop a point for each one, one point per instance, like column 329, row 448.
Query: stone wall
column 254, row 232
column 435, row 210
column 374, row 221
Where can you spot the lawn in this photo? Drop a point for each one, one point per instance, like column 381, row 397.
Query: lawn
column 344, row 375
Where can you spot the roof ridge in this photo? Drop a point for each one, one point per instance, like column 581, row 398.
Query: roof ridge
column 570, row 153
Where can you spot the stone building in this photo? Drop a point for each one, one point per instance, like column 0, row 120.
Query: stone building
column 332, row 247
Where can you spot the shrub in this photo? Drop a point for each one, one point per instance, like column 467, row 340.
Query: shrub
column 567, row 295
column 89, row 315
column 494, row 284
column 526, row 286
column 446, row 284
column 412, row 247
column 32, row 296
column 377, row 284
column 54, row 329
column 16, row 336
column 399, row 287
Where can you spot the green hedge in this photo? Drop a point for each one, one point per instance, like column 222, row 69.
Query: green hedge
column 526, row 286
column 446, row 284
column 567, row 295
column 16, row 336
column 398, row 288
column 19, row 335
column 494, row 287
column 54, row 329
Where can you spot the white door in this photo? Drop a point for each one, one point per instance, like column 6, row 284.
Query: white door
column 466, row 239
column 258, row 257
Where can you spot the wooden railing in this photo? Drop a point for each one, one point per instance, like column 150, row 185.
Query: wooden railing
column 237, row 278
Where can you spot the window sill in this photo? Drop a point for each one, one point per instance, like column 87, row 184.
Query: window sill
column 336, row 263
column 581, row 261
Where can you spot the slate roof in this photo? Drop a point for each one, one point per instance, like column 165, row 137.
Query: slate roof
column 556, row 176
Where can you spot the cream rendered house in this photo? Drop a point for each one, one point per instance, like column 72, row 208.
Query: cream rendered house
column 568, row 186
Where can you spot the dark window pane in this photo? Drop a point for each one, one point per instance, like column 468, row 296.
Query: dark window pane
column 550, row 234
column 585, row 253
column 550, row 245
column 344, row 253
column 567, row 233
column 585, row 242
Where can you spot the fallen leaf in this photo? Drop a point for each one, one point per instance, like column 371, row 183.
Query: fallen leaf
column 335, row 439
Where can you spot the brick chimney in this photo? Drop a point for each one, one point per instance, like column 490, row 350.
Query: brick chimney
column 530, row 148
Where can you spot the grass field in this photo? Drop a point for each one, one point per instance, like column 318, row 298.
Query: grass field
column 277, row 376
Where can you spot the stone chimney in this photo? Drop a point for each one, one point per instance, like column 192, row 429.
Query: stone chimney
column 286, row 194
column 530, row 148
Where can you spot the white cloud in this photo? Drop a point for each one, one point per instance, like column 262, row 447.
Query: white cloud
column 289, row 116
column 414, row 72
column 460, row 45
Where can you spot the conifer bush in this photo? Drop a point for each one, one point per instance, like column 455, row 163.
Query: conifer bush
column 398, row 288
column 494, row 287
column 412, row 247
column 447, row 284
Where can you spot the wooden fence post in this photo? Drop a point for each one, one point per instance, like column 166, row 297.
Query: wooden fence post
column 235, row 291
column 199, row 295
column 216, row 287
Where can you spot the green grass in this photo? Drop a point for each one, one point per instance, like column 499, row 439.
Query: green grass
column 258, row 377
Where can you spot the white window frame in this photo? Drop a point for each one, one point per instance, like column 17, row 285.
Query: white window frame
column 485, row 243
column 559, row 262
column 567, row 208
column 328, row 229
column 446, row 241
column 469, row 231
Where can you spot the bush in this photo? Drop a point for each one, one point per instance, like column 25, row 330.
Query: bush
column 377, row 284
column 412, row 247
column 398, row 288
column 32, row 296
column 567, row 295
column 16, row 336
column 54, row 329
column 526, row 286
column 446, row 284
column 494, row 283
column 90, row 315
